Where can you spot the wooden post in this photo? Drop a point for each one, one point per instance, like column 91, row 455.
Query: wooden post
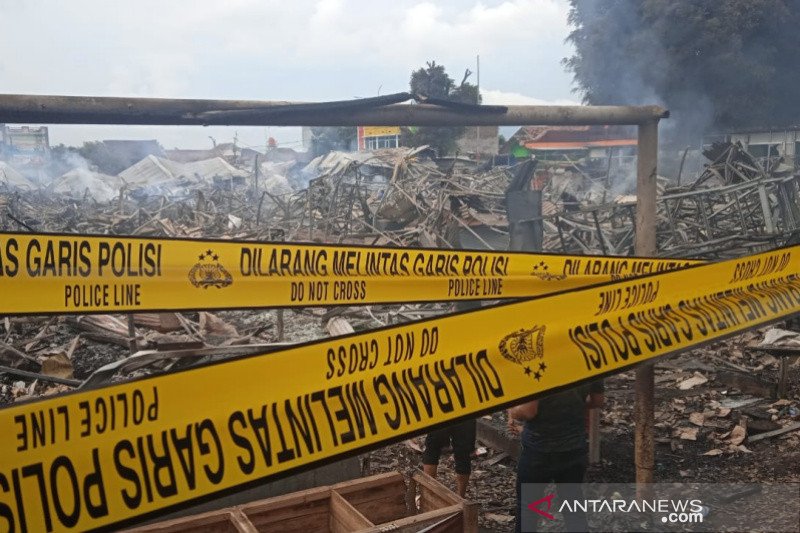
column 594, row 436
column 783, row 377
column 132, row 343
column 645, row 245
column 279, row 325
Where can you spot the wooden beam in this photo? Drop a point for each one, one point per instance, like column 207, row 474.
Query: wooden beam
column 594, row 436
column 345, row 518
column 775, row 433
column 415, row 523
column 645, row 246
column 53, row 109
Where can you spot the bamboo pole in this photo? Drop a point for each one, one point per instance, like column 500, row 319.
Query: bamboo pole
column 645, row 245
column 15, row 108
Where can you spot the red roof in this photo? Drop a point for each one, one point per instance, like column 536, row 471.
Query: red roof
column 574, row 137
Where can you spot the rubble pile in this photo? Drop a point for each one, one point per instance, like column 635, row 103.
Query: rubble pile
column 707, row 429
column 732, row 164
column 736, row 206
column 711, row 420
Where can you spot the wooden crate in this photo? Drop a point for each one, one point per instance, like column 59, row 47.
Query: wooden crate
column 367, row 505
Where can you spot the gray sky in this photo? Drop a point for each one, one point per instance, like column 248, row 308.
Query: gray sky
column 303, row 50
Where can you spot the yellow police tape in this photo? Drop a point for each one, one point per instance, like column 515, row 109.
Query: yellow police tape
column 109, row 457
column 46, row 273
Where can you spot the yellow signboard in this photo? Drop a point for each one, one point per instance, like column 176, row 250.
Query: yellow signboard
column 381, row 131
column 45, row 273
column 106, row 458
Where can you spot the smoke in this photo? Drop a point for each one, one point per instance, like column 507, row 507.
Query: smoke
column 622, row 59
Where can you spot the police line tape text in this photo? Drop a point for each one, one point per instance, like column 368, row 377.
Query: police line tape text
column 351, row 358
column 606, row 342
column 321, row 291
column 314, row 262
column 249, row 440
column 75, row 257
column 619, row 268
column 104, row 414
column 751, row 268
column 93, row 295
column 631, row 295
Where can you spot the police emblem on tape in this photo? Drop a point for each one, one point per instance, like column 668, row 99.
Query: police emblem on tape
column 208, row 272
column 522, row 347
column 540, row 271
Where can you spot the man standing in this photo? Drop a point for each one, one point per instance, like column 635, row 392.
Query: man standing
column 554, row 447
column 461, row 436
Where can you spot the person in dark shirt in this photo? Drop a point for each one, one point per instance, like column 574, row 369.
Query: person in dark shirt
column 554, row 447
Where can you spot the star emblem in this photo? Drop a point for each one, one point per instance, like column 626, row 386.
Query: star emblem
column 527, row 371
column 216, row 257
column 209, row 252
column 537, row 375
column 542, row 366
column 201, row 257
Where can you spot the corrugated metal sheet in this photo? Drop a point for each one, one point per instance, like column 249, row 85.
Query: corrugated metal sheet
column 153, row 170
column 80, row 182
column 12, row 178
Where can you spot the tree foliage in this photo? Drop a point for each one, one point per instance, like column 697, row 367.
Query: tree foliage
column 714, row 64
column 327, row 139
column 106, row 161
column 434, row 82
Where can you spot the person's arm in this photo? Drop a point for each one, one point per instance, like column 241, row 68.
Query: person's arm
column 525, row 411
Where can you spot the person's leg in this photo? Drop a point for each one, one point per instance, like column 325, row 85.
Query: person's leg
column 431, row 470
column 532, row 473
column 434, row 442
column 463, row 435
column 568, row 481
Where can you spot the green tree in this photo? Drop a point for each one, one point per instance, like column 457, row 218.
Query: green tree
column 106, row 161
column 434, row 82
column 714, row 64
column 328, row 139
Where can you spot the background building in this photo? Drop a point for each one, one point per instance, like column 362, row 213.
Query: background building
column 24, row 145
column 375, row 137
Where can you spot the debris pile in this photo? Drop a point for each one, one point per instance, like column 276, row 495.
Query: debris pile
column 732, row 164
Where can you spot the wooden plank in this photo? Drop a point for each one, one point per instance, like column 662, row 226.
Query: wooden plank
column 241, row 522
column 470, row 517
column 300, row 524
column 594, row 436
column 300, row 511
column 386, row 504
column 213, row 522
column 324, row 509
column 431, row 501
column 432, row 487
column 380, row 503
column 162, row 322
column 353, row 485
column 787, row 429
column 450, row 524
column 747, row 383
column 412, row 524
column 294, row 499
column 345, row 518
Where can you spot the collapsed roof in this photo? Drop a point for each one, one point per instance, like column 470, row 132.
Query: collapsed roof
column 82, row 183
column 154, row 172
column 11, row 178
